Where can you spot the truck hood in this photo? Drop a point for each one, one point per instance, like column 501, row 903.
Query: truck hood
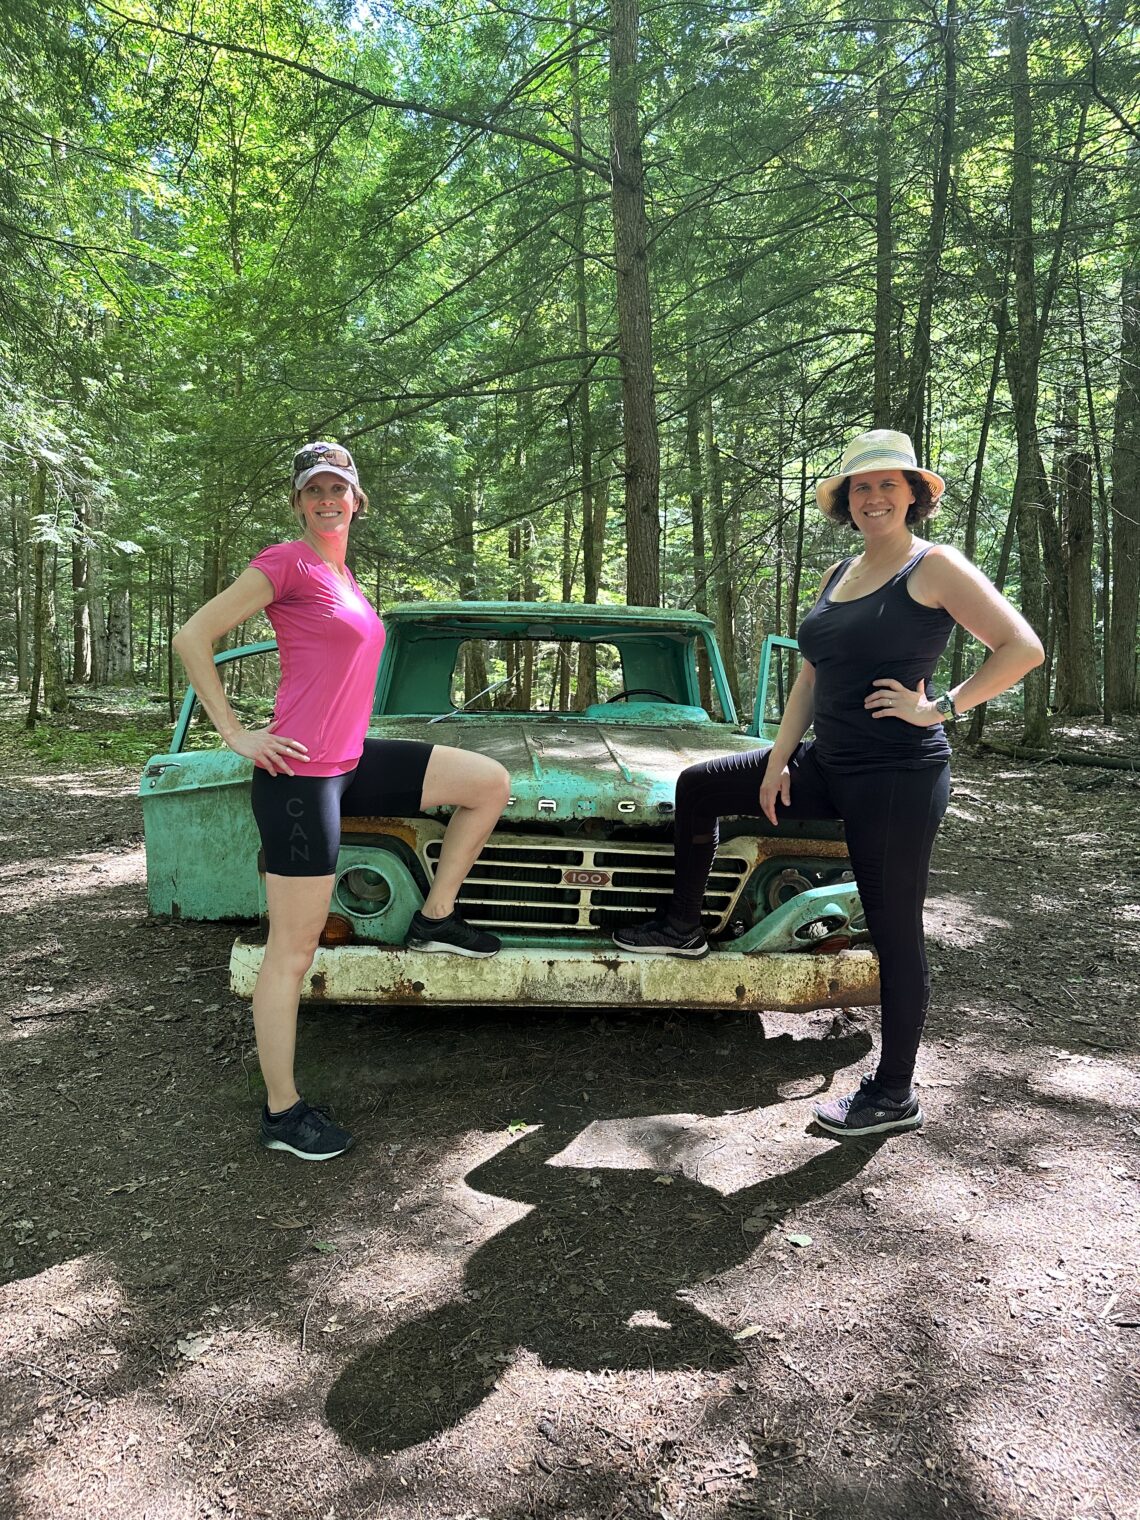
column 580, row 769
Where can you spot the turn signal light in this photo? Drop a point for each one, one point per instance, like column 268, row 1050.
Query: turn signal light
column 337, row 930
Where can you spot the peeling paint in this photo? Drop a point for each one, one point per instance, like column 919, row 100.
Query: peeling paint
column 373, row 974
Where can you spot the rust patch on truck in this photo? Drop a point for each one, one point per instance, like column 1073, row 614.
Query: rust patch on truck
column 393, row 827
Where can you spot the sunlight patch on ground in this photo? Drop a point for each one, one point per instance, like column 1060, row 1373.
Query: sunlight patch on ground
column 1087, row 1079
column 225, row 1378
column 103, row 869
column 78, row 783
column 726, row 1153
column 951, row 919
column 57, row 1306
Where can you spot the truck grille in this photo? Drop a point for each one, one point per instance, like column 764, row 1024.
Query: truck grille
column 520, row 885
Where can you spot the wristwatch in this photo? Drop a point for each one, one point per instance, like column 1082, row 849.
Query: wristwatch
column 944, row 707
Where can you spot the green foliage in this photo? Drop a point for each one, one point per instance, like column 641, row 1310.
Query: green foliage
column 214, row 253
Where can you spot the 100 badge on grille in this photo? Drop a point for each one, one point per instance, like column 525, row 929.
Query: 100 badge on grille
column 586, row 878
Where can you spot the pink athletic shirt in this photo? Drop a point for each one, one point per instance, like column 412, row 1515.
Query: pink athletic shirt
column 329, row 641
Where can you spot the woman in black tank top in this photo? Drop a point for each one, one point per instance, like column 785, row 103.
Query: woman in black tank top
column 879, row 760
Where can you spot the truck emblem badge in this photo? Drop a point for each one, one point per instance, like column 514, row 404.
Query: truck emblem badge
column 547, row 805
column 627, row 807
column 585, row 878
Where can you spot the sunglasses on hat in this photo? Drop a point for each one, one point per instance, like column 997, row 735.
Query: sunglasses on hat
column 315, row 455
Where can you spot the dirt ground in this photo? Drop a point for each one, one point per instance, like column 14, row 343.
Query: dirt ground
column 578, row 1265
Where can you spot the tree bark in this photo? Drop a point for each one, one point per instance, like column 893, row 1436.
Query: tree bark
column 1078, row 525
column 635, row 346
column 723, row 578
column 20, row 580
column 1030, row 491
column 1120, row 679
column 593, row 498
column 46, row 671
column 120, row 661
column 80, row 606
column 914, row 412
column 1103, row 518
column 884, row 234
column 970, row 543
column 93, row 515
column 697, row 511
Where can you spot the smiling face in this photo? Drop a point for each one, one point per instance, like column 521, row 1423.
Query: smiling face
column 878, row 501
column 326, row 505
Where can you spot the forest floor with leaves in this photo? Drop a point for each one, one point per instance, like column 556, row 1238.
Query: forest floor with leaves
column 578, row 1265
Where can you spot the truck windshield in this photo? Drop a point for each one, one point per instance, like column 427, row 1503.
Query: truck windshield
column 536, row 675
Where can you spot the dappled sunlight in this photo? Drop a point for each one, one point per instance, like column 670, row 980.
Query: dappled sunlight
column 951, row 918
column 73, row 877
column 1086, row 1079
column 78, row 784
column 64, row 1304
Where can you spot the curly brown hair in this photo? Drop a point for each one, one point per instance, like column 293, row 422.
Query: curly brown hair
column 925, row 503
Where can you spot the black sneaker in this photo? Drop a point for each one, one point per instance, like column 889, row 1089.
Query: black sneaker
column 868, row 1111
column 449, row 936
column 658, row 937
column 306, row 1132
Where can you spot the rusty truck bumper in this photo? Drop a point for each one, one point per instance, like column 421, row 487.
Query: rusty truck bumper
column 525, row 977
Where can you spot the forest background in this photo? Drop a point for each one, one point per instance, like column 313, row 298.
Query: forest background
column 594, row 292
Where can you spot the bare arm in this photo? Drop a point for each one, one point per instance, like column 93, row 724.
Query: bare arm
column 947, row 579
column 194, row 644
column 798, row 713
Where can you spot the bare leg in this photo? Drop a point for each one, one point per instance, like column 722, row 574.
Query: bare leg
column 298, row 907
column 478, row 788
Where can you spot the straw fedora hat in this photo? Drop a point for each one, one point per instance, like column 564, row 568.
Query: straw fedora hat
column 880, row 449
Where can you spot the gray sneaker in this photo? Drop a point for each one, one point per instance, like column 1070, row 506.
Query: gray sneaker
column 868, row 1111
column 306, row 1132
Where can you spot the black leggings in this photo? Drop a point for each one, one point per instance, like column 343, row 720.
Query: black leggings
column 890, row 818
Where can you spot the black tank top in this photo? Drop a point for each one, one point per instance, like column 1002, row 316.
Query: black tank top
column 851, row 644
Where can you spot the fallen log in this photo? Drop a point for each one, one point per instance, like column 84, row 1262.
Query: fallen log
column 1062, row 756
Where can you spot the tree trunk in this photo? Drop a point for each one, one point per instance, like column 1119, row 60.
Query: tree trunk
column 723, row 579
column 46, row 669
column 1053, row 545
column 1078, row 522
column 20, row 579
column 463, row 517
column 884, row 235
column 120, row 658
column 169, row 599
column 631, row 262
column 1105, row 566
column 697, row 510
column 96, row 606
column 80, row 606
column 593, row 498
column 1121, row 687
column 1030, row 492
column 914, row 412
column 970, row 544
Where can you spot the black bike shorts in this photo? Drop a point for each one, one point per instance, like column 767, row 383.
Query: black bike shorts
column 298, row 817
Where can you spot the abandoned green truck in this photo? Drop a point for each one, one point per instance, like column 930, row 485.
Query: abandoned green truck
column 584, row 845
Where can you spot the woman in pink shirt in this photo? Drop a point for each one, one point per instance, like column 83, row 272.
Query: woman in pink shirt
column 313, row 765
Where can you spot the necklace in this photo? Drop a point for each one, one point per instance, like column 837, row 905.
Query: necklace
column 857, row 572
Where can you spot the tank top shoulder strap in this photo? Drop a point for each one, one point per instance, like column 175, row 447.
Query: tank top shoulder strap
column 836, row 576
column 914, row 560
